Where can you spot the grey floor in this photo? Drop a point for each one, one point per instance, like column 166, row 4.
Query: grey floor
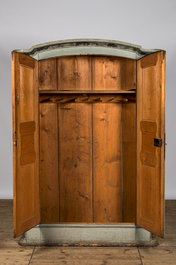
column 12, row 253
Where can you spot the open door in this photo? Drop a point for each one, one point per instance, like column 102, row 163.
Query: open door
column 25, row 143
column 151, row 142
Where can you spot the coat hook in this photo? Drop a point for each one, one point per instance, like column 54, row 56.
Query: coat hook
column 97, row 99
column 57, row 100
column 85, row 98
column 110, row 99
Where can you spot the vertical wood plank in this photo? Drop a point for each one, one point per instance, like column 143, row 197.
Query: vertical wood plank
column 74, row 73
column 129, row 162
column 48, row 74
column 75, row 142
column 49, row 179
column 113, row 73
column 109, row 73
column 75, row 162
column 107, row 176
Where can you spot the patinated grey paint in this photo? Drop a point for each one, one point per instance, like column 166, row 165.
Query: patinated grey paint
column 99, row 234
column 86, row 46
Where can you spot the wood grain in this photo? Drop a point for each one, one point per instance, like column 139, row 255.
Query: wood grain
column 149, row 94
column 74, row 73
column 12, row 253
column 27, row 61
column 107, row 175
column 75, row 142
column 149, row 60
column 27, row 127
column 77, row 92
column 27, row 143
column 26, row 172
column 86, row 255
column 16, row 255
column 26, row 86
column 27, row 159
column 75, row 162
column 48, row 74
column 28, row 154
column 109, row 73
column 49, row 179
column 148, row 143
column 148, row 159
column 150, row 164
column 162, row 255
column 85, row 98
column 147, row 126
column 113, row 73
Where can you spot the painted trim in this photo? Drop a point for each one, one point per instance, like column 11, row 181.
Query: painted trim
column 87, row 235
column 88, row 47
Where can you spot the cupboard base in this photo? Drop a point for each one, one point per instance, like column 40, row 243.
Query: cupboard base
column 87, row 235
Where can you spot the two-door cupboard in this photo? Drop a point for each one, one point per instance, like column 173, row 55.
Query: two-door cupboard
column 88, row 135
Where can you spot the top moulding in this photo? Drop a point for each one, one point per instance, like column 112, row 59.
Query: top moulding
column 86, row 47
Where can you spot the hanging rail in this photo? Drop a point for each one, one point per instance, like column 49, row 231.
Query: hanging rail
column 90, row 96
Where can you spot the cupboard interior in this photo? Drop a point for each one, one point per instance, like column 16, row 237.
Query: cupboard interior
column 87, row 140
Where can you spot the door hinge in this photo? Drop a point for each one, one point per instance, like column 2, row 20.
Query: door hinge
column 15, row 142
column 157, row 142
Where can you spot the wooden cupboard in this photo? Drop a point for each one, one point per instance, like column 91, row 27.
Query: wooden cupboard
column 88, row 134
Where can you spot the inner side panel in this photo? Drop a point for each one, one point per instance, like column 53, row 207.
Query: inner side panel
column 129, row 161
column 87, row 151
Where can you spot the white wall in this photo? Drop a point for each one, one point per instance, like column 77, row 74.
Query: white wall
column 149, row 23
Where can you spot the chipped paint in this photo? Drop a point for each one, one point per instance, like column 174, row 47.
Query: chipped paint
column 88, row 47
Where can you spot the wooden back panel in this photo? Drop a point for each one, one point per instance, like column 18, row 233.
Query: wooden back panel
column 150, row 159
column 26, row 142
column 87, row 72
column 88, row 189
column 65, row 144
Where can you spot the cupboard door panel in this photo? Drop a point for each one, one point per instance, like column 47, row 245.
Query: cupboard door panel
column 150, row 158
column 25, row 143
